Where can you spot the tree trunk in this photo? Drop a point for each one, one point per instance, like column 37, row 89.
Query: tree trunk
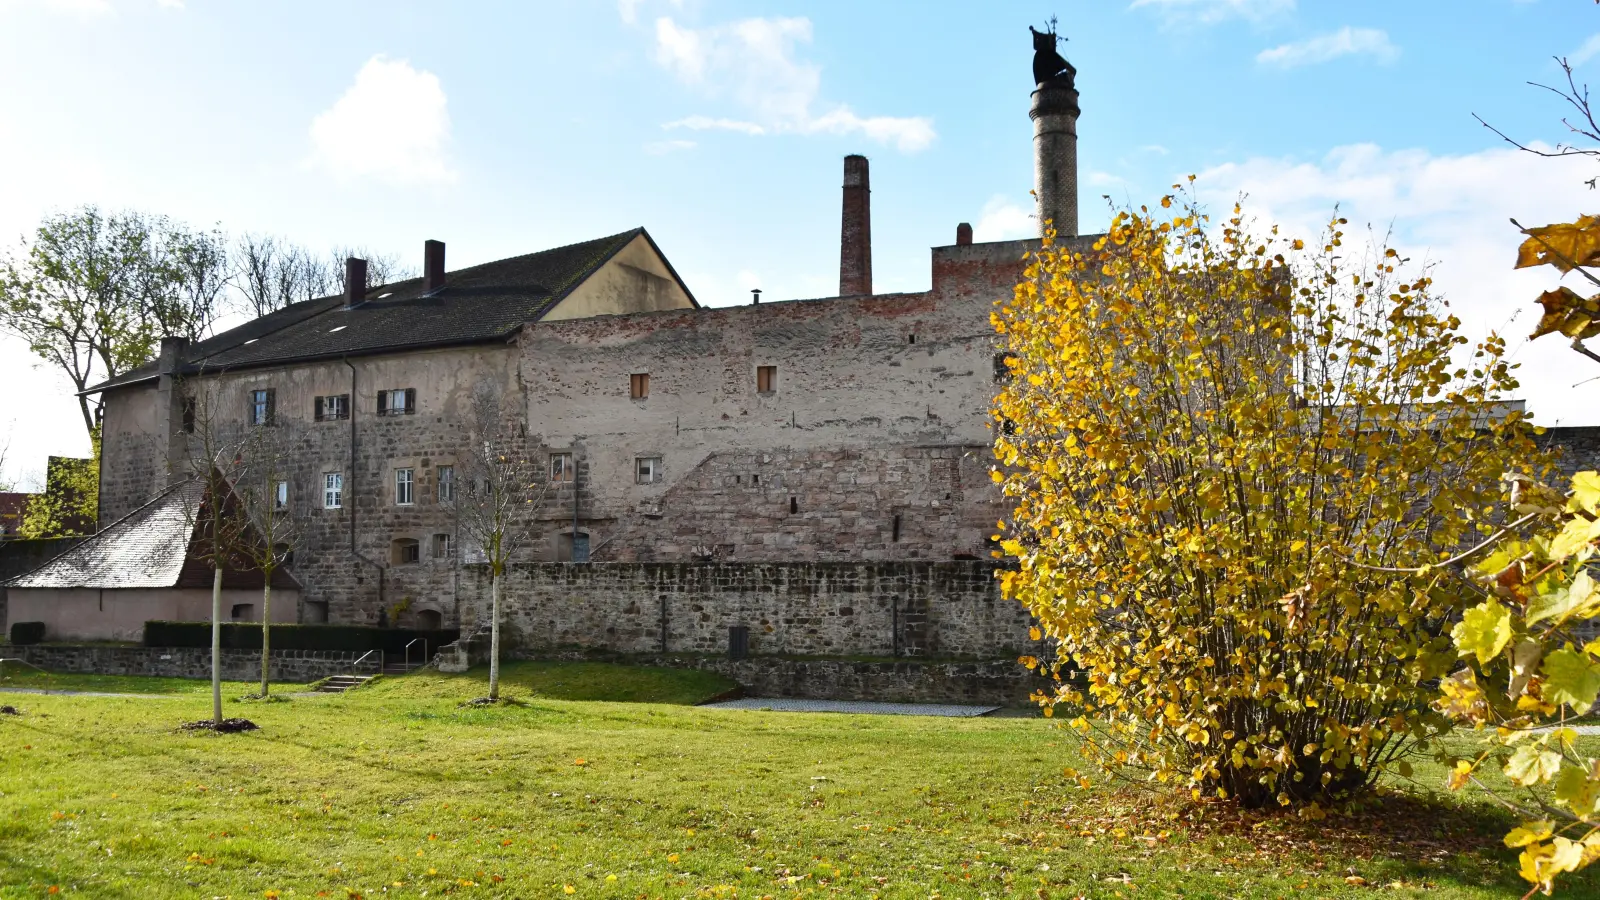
column 266, row 632
column 496, row 586
column 216, row 646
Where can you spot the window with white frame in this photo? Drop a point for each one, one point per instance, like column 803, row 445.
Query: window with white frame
column 561, row 468
column 647, row 469
column 332, row 490
column 398, row 402
column 446, row 480
column 442, row 547
column 403, row 487
column 280, row 496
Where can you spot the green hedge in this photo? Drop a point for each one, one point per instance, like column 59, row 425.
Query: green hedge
column 27, row 632
column 247, row 636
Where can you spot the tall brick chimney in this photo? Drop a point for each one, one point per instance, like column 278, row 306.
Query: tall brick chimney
column 432, row 266
column 855, row 231
column 1055, row 154
column 355, row 281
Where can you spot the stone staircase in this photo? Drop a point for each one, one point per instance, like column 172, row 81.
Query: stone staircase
column 338, row 684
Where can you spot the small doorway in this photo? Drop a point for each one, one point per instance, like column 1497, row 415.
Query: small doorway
column 429, row 620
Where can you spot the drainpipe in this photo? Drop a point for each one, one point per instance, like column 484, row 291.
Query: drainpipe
column 353, row 496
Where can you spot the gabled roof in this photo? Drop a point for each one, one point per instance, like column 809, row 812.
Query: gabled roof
column 147, row 548
column 482, row 303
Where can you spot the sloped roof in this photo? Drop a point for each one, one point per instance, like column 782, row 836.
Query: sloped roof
column 148, row 548
column 145, row 549
column 481, row 303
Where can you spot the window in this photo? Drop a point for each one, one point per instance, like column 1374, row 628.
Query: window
column 244, row 612
column 398, row 402
column 332, row 407
column 446, row 479
column 561, row 467
column 189, row 410
column 573, row 548
column 332, row 490
column 766, row 379
column 896, row 536
column 403, row 551
column 442, row 548
column 639, row 385
column 794, row 505
column 280, row 496
column 260, row 411
column 647, row 469
column 403, row 484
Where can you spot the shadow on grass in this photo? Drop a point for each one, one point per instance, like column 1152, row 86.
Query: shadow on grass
column 21, row 872
column 1404, row 837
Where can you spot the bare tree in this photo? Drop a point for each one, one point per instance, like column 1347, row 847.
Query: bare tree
column 382, row 268
column 215, row 461
column 501, row 488
column 263, row 491
column 1580, row 121
column 269, row 273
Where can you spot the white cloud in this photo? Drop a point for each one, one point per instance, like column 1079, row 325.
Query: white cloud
column 1452, row 211
column 629, row 9
column 658, row 148
column 170, row 4
column 1155, row 148
column 83, row 9
column 753, row 63
column 1346, row 41
column 1207, row 12
column 1002, row 220
column 391, row 125
column 1588, row 51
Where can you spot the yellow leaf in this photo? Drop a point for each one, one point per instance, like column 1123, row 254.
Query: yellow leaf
column 1528, row 832
column 1562, row 245
column 1567, row 312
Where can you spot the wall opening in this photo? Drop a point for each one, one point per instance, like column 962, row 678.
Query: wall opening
column 572, row 548
column 794, row 505
column 429, row 619
column 404, row 550
column 896, row 536
column 243, row 612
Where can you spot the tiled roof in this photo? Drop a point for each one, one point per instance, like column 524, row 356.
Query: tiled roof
column 480, row 303
column 145, row 549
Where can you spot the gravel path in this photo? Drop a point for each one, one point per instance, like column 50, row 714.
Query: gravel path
column 22, row 690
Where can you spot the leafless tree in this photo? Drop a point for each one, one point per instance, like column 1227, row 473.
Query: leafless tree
column 263, row 491
column 1580, row 121
column 215, row 462
column 269, row 272
column 501, row 487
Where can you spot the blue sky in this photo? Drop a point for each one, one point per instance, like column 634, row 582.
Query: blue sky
column 503, row 128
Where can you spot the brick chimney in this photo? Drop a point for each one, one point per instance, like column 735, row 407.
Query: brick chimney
column 355, row 281
column 963, row 234
column 855, row 231
column 432, row 266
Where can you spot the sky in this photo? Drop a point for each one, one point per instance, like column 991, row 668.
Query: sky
column 506, row 128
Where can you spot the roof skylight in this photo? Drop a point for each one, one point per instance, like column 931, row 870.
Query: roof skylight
column 337, row 328
column 390, row 294
column 252, row 340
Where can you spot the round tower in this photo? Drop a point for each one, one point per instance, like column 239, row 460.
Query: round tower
column 1055, row 154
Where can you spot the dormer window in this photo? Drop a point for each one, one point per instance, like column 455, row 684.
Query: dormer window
column 397, row 402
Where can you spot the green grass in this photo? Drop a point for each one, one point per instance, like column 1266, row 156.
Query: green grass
column 13, row 676
column 396, row 790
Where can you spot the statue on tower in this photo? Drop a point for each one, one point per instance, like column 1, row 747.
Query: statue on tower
column 1048, row 64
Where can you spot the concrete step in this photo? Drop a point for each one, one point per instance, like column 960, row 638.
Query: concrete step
column 338, row 684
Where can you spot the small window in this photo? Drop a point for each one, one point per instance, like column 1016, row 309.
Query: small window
column 755, row 479
column 243, row 612
column 403, row 484
column 403, row 551
column 189, row 411
column 647, row 469
column 639, row 385
column 794, row 505
column 911, row 339
column 1002, row 368
column 442, row 548
column 766, row 379
column 561, row 467
column 260, row 412
column 573, row 548
column 332, row 490
column 896, row 536
column 445, row 477
column 280, row 496
column 398, row 402
column 332, row 408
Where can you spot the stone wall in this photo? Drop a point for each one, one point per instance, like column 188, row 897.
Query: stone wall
column 292, row 666
column 950, row 610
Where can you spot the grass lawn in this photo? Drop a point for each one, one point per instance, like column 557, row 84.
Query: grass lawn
column 13, row 676
column 396, row 791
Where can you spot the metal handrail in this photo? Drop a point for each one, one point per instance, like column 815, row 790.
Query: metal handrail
column 424, row 652
column 357, row 664
column 4, row 660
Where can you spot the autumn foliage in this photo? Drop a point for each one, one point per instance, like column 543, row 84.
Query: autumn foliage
column 1235, row 463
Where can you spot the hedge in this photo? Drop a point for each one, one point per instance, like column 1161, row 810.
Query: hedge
column 27, row 632
column 247, row 636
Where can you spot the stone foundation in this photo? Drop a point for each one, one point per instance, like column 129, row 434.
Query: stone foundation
column 292, row 666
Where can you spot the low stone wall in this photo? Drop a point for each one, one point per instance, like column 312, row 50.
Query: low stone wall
column 294, row 666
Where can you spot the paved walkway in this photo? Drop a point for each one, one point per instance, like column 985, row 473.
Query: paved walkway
column 856, row 707
column 22, row 690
